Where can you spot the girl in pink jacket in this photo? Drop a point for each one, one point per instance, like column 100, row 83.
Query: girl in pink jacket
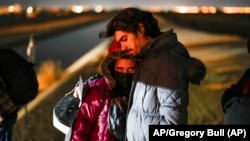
column 107, row 93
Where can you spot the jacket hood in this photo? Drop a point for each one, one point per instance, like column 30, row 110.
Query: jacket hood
column 196, row 69
column 107, row 66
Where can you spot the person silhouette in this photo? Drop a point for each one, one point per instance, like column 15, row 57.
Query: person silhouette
column 235, row 100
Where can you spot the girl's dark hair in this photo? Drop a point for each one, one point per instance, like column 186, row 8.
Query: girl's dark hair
column 129, row 19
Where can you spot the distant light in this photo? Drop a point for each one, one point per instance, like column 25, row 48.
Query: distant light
column 77, row 8
column 11, row 9
column 99, row 9
column 183, row 9
column 207, row 10
column 247, row 9
column 29, row 10
column 155, row 9
column 212, row 10
column 236, row 10
column 16, row 8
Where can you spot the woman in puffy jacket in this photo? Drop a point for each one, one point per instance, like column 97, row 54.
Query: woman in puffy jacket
column 105, row 100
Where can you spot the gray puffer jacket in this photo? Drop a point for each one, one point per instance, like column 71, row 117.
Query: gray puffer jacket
column 160, row 94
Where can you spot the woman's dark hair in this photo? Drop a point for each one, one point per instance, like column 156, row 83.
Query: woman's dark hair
column 129, row 19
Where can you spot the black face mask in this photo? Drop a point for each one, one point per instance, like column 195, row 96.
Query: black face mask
column 124, row 79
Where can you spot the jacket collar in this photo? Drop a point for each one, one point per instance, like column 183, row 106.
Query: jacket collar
column 165, row 41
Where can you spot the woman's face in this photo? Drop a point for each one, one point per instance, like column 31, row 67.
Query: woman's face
column 125, row 66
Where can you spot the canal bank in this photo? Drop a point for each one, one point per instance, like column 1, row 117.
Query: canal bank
column 13, row 35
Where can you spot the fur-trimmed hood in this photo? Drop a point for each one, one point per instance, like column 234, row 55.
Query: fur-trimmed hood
column 107, row 65
column 106, row 68
column 196, row 70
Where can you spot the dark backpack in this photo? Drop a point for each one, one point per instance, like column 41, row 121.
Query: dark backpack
column 19, row 76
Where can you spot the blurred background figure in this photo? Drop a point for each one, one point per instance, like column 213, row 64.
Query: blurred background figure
column 18, row 86
column 31, row 50
column 236, row 100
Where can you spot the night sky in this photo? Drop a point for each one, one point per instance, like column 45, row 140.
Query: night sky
column 122, row 3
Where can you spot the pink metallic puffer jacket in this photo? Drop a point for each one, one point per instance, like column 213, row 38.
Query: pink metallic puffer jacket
column 91, row 120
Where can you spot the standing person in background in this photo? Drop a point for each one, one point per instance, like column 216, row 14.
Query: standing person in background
column 235, row 101
column 18, row 86
column 160, row 94
column 102, row 115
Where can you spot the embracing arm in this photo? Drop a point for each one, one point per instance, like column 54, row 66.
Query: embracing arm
column 173, row 106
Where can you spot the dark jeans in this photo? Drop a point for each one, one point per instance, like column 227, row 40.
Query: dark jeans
column 6, row 128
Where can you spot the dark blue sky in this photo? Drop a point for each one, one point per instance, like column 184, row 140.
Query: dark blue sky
column 121, row 3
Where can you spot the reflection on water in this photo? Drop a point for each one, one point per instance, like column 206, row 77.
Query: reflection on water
column 67, row 47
